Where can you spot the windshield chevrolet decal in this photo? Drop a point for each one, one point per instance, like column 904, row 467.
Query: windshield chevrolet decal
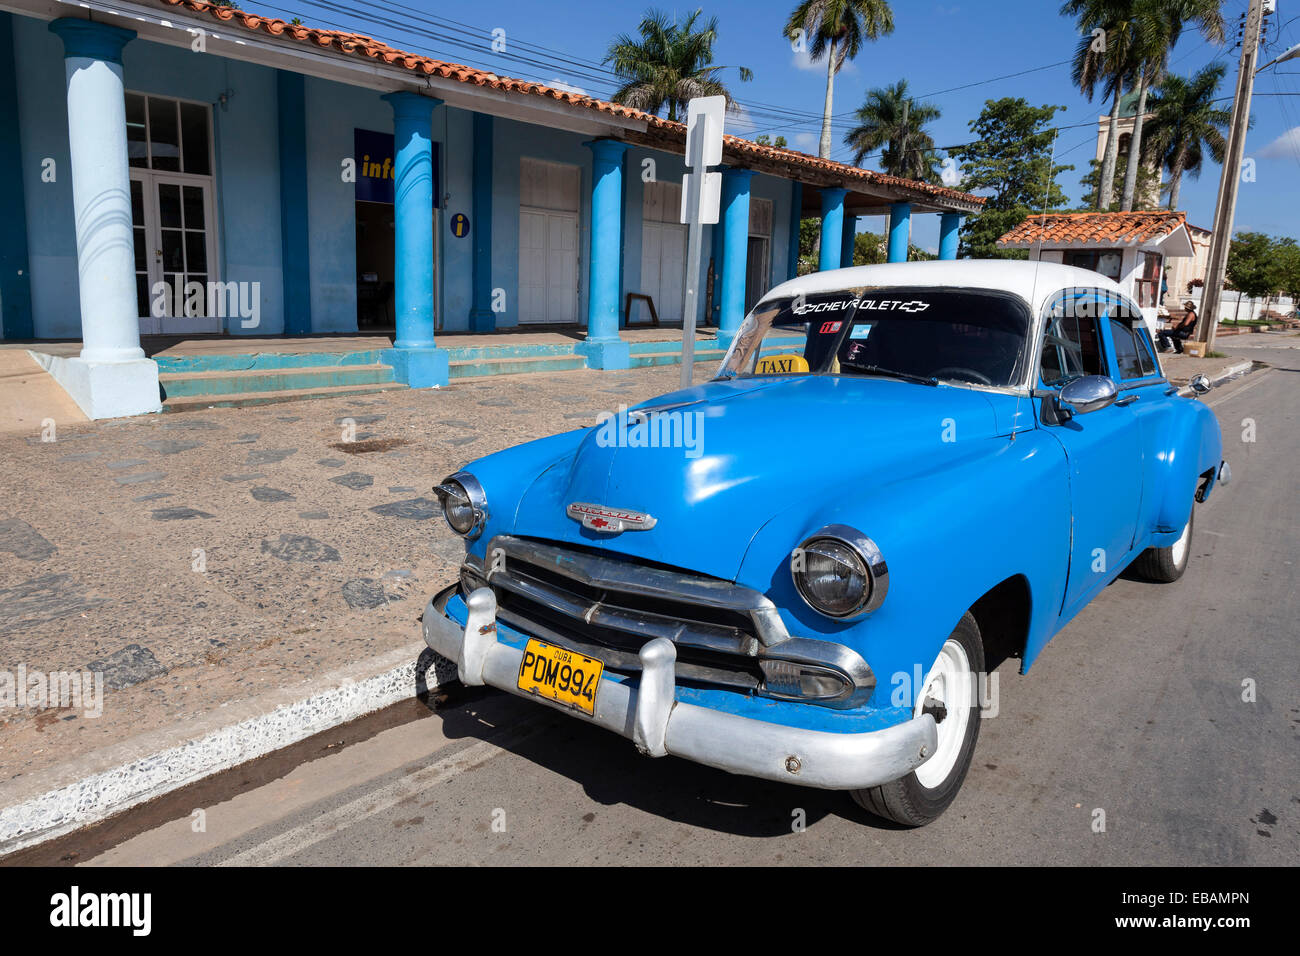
column 874, row 305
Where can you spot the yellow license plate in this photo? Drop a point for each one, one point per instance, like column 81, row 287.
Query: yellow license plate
column 565, row 677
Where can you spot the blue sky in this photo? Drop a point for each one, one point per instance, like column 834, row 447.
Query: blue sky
column 936, row 46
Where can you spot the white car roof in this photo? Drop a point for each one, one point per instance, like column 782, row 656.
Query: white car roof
column 1032, row 281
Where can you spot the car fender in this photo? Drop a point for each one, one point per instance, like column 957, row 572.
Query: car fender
column 1193, row 448
column 948, row 536
column 508, row 474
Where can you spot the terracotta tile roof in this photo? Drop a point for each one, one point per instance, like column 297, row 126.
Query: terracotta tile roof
column 1123, row 228
column 357, row 44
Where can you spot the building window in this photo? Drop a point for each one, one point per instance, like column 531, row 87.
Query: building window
column 169, row 135
column 1108, row 262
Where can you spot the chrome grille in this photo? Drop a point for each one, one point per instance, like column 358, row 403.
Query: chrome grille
column 609, row 607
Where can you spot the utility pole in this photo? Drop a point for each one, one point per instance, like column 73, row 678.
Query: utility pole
column 1230, row 180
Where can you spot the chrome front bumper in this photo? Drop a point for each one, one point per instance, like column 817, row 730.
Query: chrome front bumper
column 648, row 715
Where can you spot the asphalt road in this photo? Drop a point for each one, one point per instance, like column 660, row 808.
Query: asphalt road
column 1134, row 711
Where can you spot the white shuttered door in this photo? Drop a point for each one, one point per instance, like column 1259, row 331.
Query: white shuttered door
column 663, row 249
column 549, row 200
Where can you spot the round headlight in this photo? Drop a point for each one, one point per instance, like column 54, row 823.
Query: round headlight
column 463, row 504
column 457, row 509
column 840, row 572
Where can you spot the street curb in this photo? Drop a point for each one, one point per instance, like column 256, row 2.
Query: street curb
column 102, row 794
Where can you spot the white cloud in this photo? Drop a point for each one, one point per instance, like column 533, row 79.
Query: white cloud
column 806, row 142
column 802, row 60
column 1288, row 144
column 556, row 83
column 738, row 122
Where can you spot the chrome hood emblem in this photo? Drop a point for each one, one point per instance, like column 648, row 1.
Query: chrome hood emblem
column 609, row 520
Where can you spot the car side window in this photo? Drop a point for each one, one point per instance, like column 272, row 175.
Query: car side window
column 1128, row 359
column 1146, row 352
column 1071, row 343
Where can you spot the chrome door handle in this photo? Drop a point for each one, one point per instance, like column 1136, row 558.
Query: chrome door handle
column 1127, row 400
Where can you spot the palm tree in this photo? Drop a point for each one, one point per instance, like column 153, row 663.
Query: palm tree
column 836, row 29
column 1160, row 23
column 1185, row 123
column 670, row 64
column 889, row 117
column 1105, row 59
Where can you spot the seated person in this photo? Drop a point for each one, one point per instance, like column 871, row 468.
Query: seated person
column 1180, row 332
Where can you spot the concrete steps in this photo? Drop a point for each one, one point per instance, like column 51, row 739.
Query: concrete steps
column 239, row 400
column 482, row 367
column 203, row 379
column 646, row 359
column 190, row 384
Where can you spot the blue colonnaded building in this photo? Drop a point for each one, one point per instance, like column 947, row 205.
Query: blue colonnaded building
column 176, row 170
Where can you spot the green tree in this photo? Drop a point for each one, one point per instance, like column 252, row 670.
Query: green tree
column 1161, row 23
column 1250, row 264
column 1010, row 162
column 670, row 64
column 891, row 118
column 1104, row 58
column 1186, row 122
column 1286, row 269
column 765, row 140
column 836, row 29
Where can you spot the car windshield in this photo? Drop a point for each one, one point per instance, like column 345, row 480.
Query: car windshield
column 929, row 335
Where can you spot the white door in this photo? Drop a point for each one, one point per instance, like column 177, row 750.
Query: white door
column 174, row 255
column 549, row 264
column 663, row 249
column 663, row 267
column 169, row 144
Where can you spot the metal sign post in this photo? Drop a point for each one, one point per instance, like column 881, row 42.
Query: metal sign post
column 701, row 196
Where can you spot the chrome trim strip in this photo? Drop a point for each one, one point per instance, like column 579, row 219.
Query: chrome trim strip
column 755, row 748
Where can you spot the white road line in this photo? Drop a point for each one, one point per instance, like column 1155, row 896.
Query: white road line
column 1245, row 388
column 326, row 825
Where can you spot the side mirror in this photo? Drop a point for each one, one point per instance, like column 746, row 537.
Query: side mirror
column 1201, row 384
column 1088, row 394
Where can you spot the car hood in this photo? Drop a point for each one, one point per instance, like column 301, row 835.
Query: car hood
column 745, row 450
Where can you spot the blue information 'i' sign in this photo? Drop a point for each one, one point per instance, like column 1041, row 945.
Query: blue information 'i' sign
column 460, row 225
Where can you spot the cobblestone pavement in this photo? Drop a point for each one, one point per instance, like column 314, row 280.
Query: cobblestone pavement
column 204, row 557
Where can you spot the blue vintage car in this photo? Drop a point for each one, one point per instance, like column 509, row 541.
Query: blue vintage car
column 794, row 571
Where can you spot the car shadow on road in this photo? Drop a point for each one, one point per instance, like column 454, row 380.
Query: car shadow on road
column 612, row 772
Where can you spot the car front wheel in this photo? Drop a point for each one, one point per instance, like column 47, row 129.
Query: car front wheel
column 1166, row 565
column 950, row 695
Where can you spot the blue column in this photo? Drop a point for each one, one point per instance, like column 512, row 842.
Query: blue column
column 414, row 357
column 735, row 251
column 15, row 281
column 900, row 218
column 796, row 214
column 832, row 229
column 481, row 316
column 850, row 231
column 602, row 346
column 949, row 223
column 291, row 98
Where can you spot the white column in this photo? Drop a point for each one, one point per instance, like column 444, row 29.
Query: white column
column 112, row 376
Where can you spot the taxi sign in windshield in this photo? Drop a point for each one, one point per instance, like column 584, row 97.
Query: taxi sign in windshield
column 781, row 365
